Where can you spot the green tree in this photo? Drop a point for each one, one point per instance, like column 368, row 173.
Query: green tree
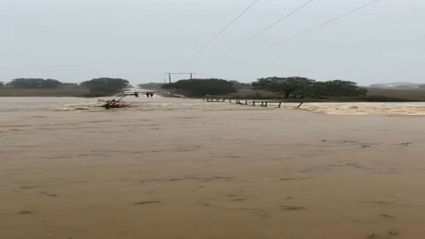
column 50, row 83
column 105, row 86
column 283, row 85
column 201, row 87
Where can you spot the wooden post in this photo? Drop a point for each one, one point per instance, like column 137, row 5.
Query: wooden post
column 253, row 103
column 246, row 102
column 265, row 104
column 280, row 104
column 262, row 103
column 300, row 105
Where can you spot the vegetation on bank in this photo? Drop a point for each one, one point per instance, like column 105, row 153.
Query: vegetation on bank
column 404, row 94
column 282, row 88
column 288, row 89
column 159, row 86
column 300, row 87
column 34, row 83
column 105, row 86
column 49, row 87
column 201, row 87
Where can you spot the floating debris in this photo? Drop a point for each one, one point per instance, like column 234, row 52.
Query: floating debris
column 372, row 236
column 292, row 208
column 24, row 212
column 393, row 232
column 49, row 194
column 238, row 200
column 147, row 202
column 292, row 179
column 28, row 187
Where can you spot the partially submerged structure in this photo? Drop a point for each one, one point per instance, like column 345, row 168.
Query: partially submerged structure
column 110, row 104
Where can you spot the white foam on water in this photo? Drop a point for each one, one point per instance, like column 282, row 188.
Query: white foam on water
column 17, row 104
column 366, row 108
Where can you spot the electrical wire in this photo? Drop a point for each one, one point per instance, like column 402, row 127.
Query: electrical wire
column 225, row 28
column 267, row 28
column 318, row 26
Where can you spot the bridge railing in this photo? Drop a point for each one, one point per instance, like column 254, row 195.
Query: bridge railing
column 256, row 102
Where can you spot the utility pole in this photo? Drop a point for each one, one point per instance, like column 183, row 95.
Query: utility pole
column 170, row 74
column 169, row 81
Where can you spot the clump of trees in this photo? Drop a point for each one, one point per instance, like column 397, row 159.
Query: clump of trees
column 105, row 86
column 32, row 83
column 282, row 85
column 158, row 86
column 288, row 87
column 301, row 87
column 97, row 87
column 201, row 87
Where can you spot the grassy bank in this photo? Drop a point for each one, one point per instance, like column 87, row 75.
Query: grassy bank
column 57, row 92
column 409, row 94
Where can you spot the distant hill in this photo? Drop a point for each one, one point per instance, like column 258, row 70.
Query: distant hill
column 397, row 85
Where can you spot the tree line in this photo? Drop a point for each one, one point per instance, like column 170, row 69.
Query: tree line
column 97, row 87
column 36, row 83
column 33, row 83
column 288, row 87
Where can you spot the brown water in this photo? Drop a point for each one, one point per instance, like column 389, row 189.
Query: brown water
column 174, row 168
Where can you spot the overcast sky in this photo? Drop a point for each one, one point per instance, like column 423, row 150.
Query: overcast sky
column 140, row 40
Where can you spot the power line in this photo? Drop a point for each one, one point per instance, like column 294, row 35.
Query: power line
column 225, row 28
column 320, row 25
column 267, row 28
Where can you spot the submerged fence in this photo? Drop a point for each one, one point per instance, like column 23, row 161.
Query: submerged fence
column 263, row 103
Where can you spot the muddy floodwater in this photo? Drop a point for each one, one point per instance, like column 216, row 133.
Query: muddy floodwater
column 187, row 169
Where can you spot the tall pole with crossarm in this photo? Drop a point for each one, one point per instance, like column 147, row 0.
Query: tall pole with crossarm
column 170, row 80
